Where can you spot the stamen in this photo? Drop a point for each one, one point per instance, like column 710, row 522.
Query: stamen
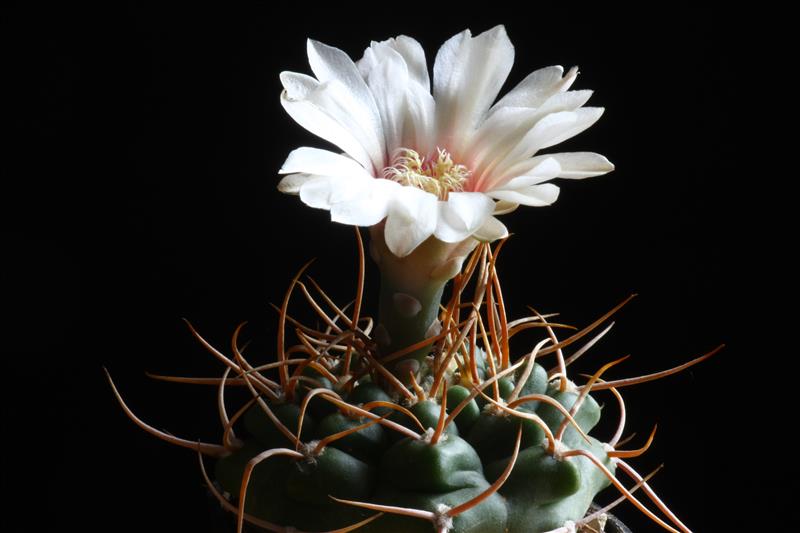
column 438, row 176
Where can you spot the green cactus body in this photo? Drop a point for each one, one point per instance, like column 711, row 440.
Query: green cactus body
column 376, row 464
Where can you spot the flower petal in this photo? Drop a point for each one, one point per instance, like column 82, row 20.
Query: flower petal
column 368, row 207
column 578, row 165
column 414, row 56
column 291, row 184
column 546, row 169
column 309, row 160
column 461, row 215
column 552, row 129
column 316, row 192
column 467, row 76
column 503, row 208
column 327, row 110
column 329, row 63
column 386, row 74
column 505, row 128
column 491, row 230
column 411, row 219
column 534, row 195
column 537, row 87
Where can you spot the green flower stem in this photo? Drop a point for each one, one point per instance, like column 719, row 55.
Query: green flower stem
column 411, row 293
column 406, row 319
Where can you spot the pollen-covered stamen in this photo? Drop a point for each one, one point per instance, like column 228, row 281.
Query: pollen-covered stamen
column 439, row 175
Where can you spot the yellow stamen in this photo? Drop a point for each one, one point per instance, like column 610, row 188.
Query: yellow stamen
column 438, row 176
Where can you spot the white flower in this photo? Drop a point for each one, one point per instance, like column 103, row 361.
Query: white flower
column 439, row 164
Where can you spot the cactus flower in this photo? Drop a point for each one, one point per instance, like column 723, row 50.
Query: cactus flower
column 441, row 162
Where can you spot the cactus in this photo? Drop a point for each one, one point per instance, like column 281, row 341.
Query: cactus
column 430, row 418
column 468, row 439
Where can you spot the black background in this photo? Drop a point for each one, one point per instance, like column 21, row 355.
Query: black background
column 140, row 188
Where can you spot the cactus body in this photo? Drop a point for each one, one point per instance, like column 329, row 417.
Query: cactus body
column 376, row 464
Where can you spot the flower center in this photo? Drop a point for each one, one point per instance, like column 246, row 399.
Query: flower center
column 437, row 176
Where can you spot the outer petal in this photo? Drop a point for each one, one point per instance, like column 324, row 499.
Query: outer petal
column 368, row 207
column 546, row 169
column 534, row 195
column 467, row 76
column 291, row 184
column 329, row 111
column 552, row 129
column 505, row 128
column 329, row 63
column 578, row 165
column 461, row 215
column 491, row 230
column 411, row 219
column 537, row 87
column 323, row 162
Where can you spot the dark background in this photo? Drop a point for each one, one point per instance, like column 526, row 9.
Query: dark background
column 140, row 188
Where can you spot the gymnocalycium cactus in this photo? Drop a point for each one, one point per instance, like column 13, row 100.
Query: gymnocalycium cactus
column 425, row 420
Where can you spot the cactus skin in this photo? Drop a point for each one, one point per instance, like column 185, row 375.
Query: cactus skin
column 541, row 494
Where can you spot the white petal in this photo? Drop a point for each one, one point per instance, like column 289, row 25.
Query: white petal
column 577, row 165
column 291, row 184
column 419, row 123
column 537, row 87
column 323, row 192
column 461, row 215
column 546, row 169
column 535, row 195
column 368, row 207
column 309, row 160
column 491, row 230
column 386, row 74
column 329, row 63
column 317, row 108
column 584, row 118
column 506, row 127
column 414, row 56
column 316, row 192
column 411, row 219
column 467, row 76
column 552, row 129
